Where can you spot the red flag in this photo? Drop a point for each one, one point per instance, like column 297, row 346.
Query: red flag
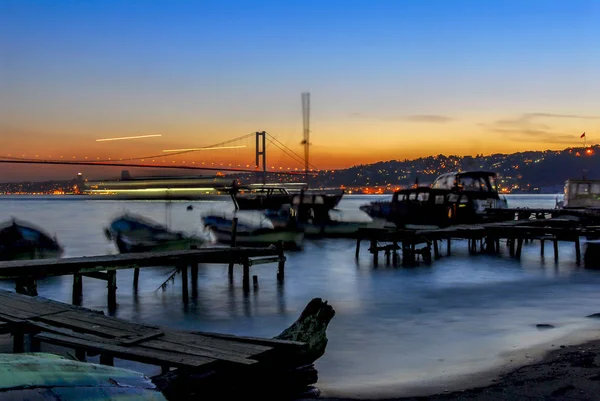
column 582, row 135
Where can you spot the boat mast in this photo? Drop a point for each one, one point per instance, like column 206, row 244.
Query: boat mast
column 306, row 122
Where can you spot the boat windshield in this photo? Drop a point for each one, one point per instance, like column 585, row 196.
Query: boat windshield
column 469, row 183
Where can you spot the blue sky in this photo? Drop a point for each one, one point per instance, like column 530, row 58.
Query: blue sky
column 413, row 73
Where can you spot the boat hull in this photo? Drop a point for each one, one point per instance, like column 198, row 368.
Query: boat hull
column 249, row 235
column 21, row 241
column 135, row 234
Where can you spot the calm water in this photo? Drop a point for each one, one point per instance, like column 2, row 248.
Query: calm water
column 392, row 325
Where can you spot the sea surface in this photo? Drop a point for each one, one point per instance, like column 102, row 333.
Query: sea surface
column 393, row 326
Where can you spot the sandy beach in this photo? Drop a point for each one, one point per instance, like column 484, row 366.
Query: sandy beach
column 566, row 370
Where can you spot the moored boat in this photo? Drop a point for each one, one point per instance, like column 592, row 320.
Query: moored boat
column 276, row 196
column 137, row 234
column 20, row 240
column 581, row 194
column 453, row 198
column 331, row 225
column 252, row 232
column 45, row 376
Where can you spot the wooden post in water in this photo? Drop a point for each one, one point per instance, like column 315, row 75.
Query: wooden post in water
column 194, row 273
column 77, row 289
column 577, row 250
column 184, row 283
column 375, row 252
column 436, row 251
column 519, row 248
column 357, row 248
column 136, row 277
column 246, row 277
column 111, row 277
column 511, row 247
column 281, row 263
column 395, row 254
column 448, row 247
column 234, row 225
column 542, row 241
column 555, row 243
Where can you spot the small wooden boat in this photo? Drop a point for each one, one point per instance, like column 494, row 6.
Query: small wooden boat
column 44, row 376
column 20, row 240
column 259, row 232
column 137, row 234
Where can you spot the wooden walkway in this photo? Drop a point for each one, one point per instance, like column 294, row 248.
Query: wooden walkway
column 425, row 242
column 92, row 333
column 27, row 272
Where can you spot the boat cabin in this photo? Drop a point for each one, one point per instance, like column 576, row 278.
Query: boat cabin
column 582, row 194
column 478, row 181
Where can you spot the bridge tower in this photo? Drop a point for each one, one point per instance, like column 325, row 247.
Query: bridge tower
column 261, row 150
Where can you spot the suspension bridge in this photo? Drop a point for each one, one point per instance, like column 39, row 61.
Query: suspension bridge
column 161, row 160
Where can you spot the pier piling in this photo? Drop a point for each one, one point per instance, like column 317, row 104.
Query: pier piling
column 184, row 283
column 112, row 290
column 77, row 289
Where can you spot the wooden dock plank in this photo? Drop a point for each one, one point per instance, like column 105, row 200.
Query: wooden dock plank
column 187, row 349
column 63, row 320
column 233, row 344
column 137, row 354
column 26, row 310
column 147, row 345
column 40, row 302
column 273, row 342
column 40, row 268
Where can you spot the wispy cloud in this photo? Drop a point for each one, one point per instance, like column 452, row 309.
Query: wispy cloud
column 419, row 118
column 535, row 127
column 428, row 118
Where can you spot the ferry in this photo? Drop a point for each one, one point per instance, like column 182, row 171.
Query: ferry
column 159, row 187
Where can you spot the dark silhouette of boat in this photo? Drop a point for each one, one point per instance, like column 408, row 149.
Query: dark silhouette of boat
column 276, row 196
column 19, row 240
column 137, row 234
column 453, row 198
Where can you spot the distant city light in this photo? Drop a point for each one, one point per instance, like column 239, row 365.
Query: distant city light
column 127, row 137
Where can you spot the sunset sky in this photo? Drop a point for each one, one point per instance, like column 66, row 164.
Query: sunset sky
column 388, row 79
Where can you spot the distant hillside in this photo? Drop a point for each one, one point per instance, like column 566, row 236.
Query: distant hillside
column 533, row 171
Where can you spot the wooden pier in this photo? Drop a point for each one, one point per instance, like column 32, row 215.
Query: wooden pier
column 27, row 272
column 427, row 243
column 204, row 360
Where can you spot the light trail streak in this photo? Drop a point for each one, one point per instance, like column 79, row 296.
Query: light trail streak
column 127, row 137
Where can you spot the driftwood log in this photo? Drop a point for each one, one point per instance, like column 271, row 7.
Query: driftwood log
column 279, row 378
column 311, row 328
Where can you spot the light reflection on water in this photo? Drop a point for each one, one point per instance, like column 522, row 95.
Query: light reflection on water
column 462, row 313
